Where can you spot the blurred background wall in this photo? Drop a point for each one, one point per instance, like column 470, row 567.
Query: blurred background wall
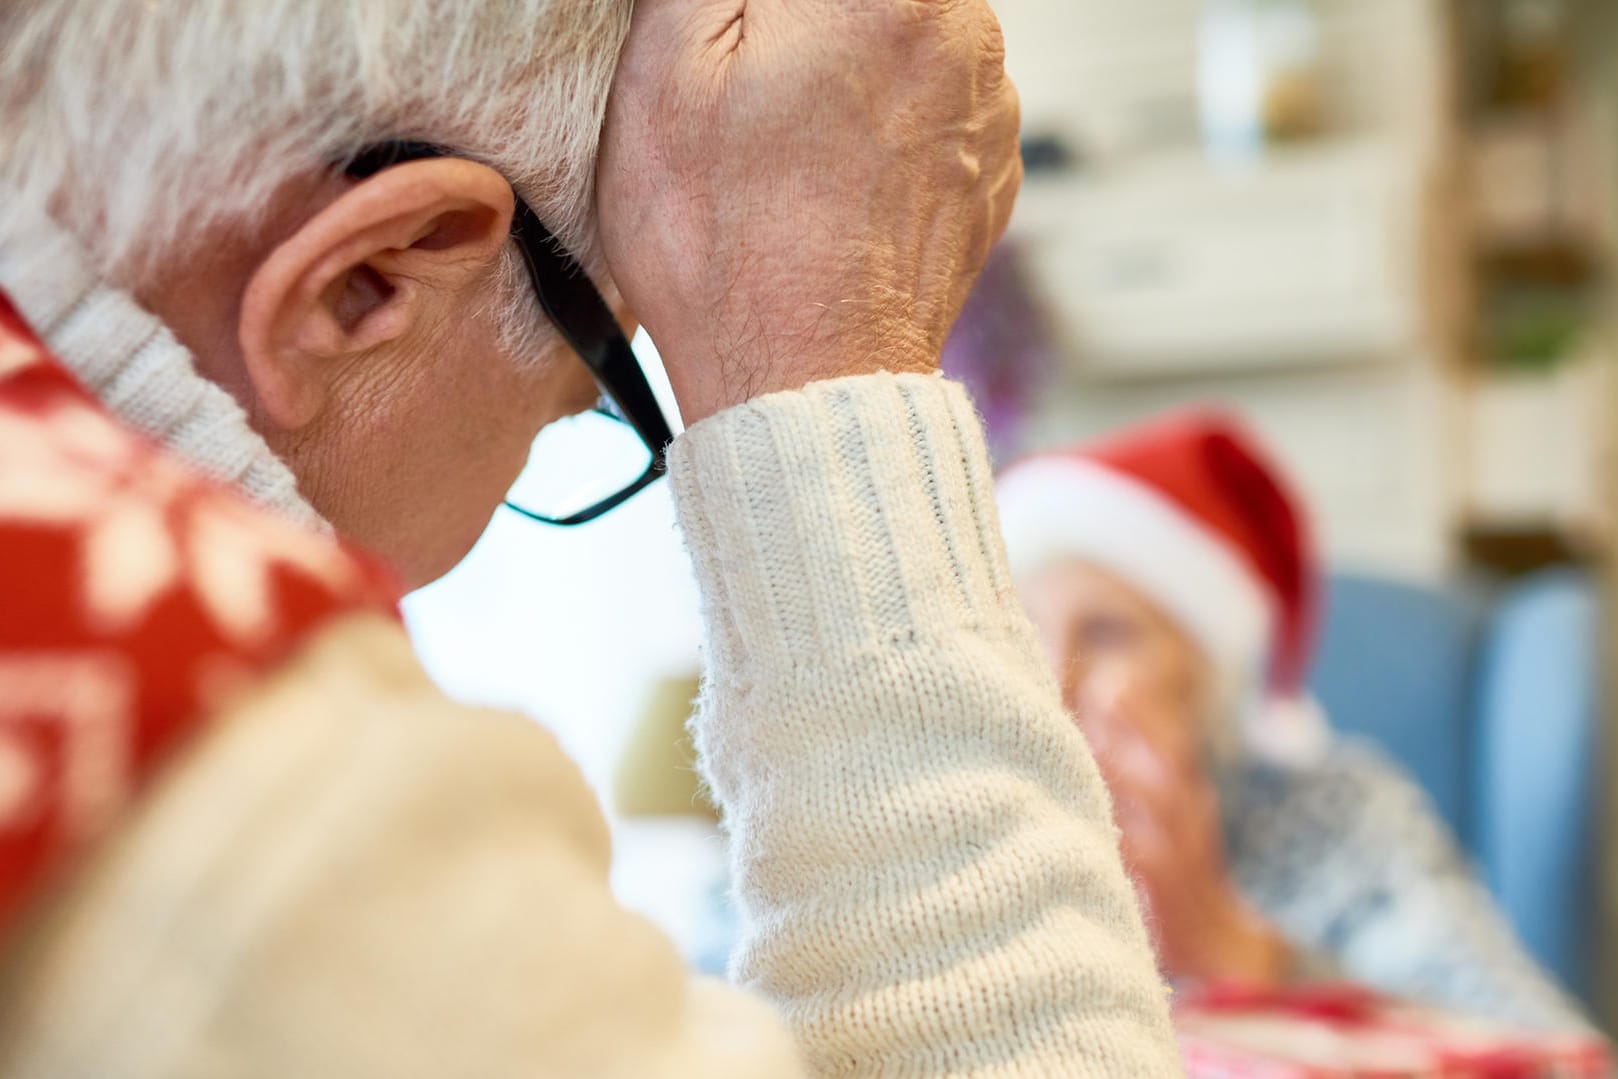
column 1374, row 226
column 1381, row 231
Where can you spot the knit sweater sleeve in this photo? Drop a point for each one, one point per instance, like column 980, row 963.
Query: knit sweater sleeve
column 922, row 845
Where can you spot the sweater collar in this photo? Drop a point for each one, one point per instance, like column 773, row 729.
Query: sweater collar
column 125, row 356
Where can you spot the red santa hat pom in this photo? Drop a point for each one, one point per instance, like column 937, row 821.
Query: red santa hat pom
column 1189, row 509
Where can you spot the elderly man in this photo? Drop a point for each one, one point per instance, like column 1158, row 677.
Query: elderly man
column 295, row 245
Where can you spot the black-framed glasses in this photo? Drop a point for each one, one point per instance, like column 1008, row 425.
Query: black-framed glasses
column 581, row 466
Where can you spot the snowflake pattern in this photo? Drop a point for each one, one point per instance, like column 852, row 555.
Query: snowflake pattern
column 149, row 526
column 82, row 702
column 133, row 592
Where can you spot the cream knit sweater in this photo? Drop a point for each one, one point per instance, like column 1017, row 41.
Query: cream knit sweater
column 352, row 876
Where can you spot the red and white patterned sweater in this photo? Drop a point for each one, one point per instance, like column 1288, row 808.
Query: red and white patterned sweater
column 135, row 596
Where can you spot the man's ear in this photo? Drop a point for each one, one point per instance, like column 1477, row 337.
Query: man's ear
column 370, row 270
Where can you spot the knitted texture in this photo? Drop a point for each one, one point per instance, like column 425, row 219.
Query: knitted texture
column 921, row 842
column 126, row 357
column 1348, row 856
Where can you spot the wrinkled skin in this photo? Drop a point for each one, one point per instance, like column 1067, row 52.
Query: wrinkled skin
column 793, row 191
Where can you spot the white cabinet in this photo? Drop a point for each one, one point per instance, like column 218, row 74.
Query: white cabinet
column 1177, row 266
column 1303, row 293
column 1540, row 449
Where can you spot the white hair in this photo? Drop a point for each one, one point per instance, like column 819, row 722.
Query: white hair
column 143, row 125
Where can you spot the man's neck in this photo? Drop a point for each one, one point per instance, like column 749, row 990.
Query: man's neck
column 136, row 367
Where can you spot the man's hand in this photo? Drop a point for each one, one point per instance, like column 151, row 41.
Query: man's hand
column 1172, row 843
column 793, row 190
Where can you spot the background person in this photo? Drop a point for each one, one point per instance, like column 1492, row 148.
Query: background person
column 1170, row 572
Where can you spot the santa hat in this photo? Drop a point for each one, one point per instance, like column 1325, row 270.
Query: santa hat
column 1189, row 509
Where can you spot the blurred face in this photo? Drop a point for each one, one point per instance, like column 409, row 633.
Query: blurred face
column 1107, row 641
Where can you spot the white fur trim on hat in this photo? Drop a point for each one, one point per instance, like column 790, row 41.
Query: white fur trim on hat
column 1292, row 731
column 1055, row 507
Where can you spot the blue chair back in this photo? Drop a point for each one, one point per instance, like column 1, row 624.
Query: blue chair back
column 1495, row 710
column 1396, row 665
column 1536, row 767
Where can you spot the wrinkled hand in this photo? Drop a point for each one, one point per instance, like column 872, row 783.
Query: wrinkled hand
column 793, row 190
column 1168, row 816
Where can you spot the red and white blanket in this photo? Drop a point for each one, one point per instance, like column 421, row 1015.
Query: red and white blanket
column 1333, row 1031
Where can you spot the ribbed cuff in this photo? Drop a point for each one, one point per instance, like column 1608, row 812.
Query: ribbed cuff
column 840, row 518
